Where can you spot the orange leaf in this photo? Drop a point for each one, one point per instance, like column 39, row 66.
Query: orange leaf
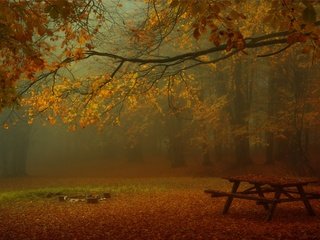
column 196, row 33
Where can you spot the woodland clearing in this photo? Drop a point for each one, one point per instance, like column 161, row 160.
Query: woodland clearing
column 142, row 208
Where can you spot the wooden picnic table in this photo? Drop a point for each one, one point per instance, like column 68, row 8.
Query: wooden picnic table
column 282, row 189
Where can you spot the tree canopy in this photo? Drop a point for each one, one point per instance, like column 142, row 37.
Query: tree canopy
column 43, row 41
column 222, row 75
column 31, row 30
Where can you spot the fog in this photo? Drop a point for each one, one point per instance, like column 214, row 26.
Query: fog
column 182, row 142
column 56, row 151
column 243, row 113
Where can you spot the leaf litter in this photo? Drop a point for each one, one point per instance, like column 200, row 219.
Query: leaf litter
column 174, row 208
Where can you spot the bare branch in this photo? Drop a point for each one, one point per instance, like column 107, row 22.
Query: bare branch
column 276, row 52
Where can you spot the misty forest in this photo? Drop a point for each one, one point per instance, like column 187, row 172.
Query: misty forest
column 159, row 119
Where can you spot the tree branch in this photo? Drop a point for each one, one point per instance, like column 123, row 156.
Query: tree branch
column 277, row 38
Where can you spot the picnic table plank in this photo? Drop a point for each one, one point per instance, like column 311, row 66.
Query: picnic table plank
column 272, row 181
column 215, row 193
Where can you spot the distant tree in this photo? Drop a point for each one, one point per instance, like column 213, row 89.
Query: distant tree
column 14, row 145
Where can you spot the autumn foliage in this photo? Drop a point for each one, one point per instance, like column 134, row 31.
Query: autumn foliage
column 31, row 30
column 216, row 63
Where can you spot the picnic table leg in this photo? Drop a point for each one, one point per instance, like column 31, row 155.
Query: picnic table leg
column 274, row 203
column 230, row 198
column 260, row 193
column 305, row 200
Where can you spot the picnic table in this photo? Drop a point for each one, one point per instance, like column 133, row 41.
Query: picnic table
column 259, row 188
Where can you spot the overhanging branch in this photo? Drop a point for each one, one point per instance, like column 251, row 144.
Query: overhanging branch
column 277, row 38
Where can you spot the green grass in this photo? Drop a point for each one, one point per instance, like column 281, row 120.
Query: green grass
column 115, row 188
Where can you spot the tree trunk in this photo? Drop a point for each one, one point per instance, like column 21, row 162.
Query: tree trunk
column 206, row 161
column 134, row 153
column 176, row 143
column 3, row 161
column 239, row 117
column 14, row 152
column 218, row 152
column 271, row 112
column 176, row 153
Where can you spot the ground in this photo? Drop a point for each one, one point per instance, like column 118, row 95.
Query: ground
column 148, row 208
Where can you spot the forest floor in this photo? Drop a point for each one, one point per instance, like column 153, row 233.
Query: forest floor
column 146, row 208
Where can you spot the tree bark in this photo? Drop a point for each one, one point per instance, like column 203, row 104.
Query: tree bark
column 206, row 161
column 176, row 143
column 239, row 117
column 271, row 114
column 14, row 152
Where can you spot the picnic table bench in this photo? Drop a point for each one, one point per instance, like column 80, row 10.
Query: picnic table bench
column 283, row 189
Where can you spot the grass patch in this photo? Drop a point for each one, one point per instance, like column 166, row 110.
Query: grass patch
column 115, row 187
